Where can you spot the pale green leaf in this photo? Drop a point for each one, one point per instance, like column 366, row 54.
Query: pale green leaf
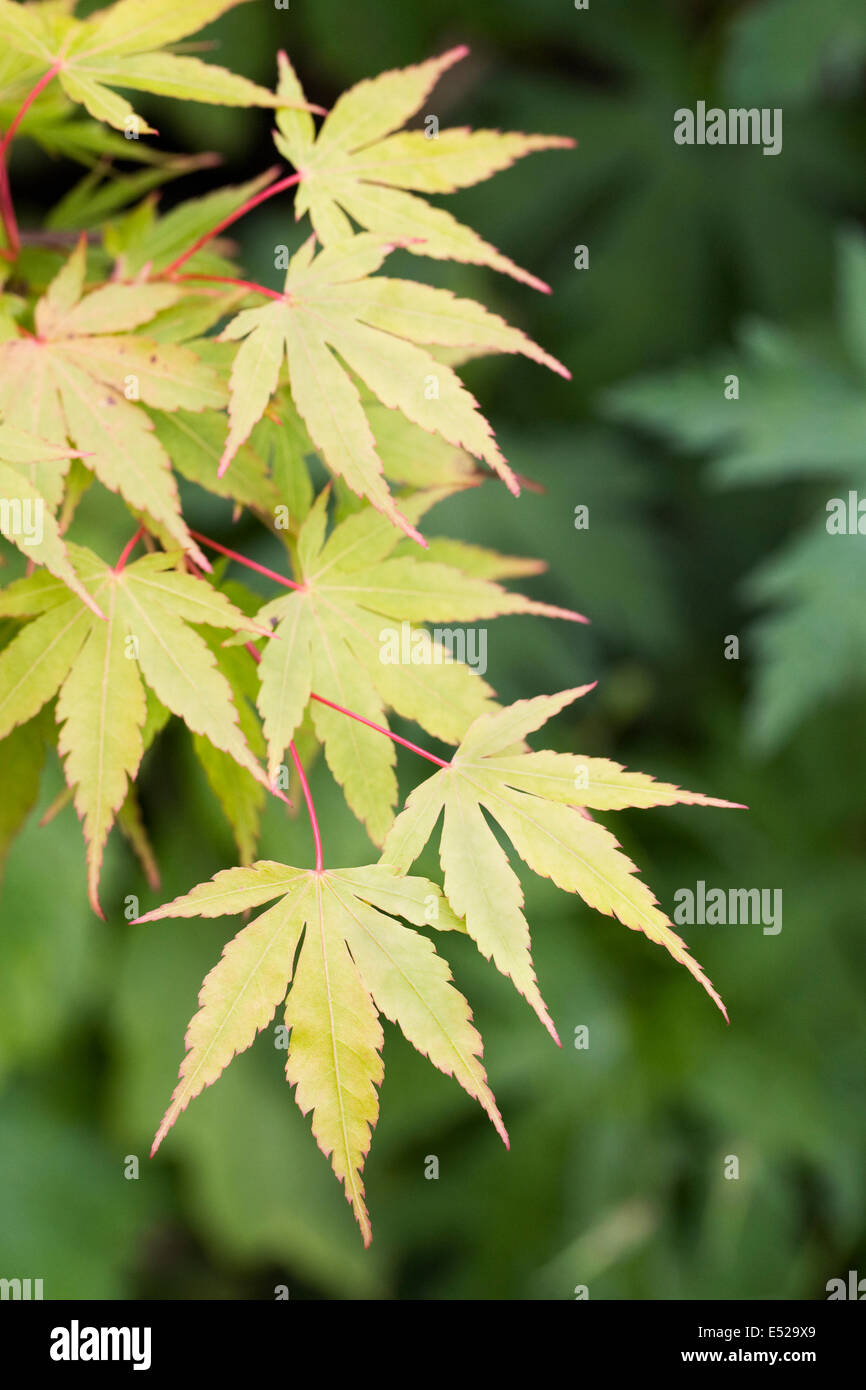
column 286, row 678
column 189, row 79
column 484, row 889
column 548, row 830
column 38, row 659
column 355, row 962
column 360, row 167
column 117, row 46
column 238, row 999
column 131, row 26
column 23, row 29
column 352, row 635
column 25, row 518
column 333, row 1060
column 76, row 383
column 183, row 672
column 98, row 664
column 332, row 317
column 101, row 712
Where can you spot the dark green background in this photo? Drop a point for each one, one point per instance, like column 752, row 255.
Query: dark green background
column 615, row 1177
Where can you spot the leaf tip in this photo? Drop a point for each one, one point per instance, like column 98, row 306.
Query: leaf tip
column 94, row 607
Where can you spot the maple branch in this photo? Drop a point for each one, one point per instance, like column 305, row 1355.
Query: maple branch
column 395, row 738
column 308, row 797
column 27, row 103
column 128, row 549
column 246, row 207
column 7, row 213
column 242, row 284
column 242, row 560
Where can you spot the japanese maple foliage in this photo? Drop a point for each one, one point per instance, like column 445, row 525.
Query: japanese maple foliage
column 141, row 354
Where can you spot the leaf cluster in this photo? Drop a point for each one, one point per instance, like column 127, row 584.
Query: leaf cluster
column 141, row 356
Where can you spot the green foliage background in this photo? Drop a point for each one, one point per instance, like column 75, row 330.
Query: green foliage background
column 706, row 519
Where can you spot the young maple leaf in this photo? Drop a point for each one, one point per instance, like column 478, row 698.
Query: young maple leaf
column 360, row 167
column 69, row 383
column 535, row 798
column 23, row 509
column 118, row 45
column 330, row 640
column 99, row 667
column 355, row 963
column 331, row 314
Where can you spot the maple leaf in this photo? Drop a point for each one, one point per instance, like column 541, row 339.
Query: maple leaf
column 23, row 510
column 330, row 640
column 355, row 963
column 99, row 667
column 537, row 799
column 118, row 47
column 331, row 313
column 69, row 383
column 359, row 166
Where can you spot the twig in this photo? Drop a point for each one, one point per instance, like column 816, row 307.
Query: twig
column 242, row 560
column 308, row 797
column 128, row 549
column 350, row 713
column 27, row 103
column 246, row 207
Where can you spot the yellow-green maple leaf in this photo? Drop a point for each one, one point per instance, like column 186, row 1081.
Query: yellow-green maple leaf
column 70, row 381
column 333, row 315
column 119, row 46
column 25, row 518
column 329, row 639
column 355, row 963
column 99, row 666
column 538, row 800
column 359, row 166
